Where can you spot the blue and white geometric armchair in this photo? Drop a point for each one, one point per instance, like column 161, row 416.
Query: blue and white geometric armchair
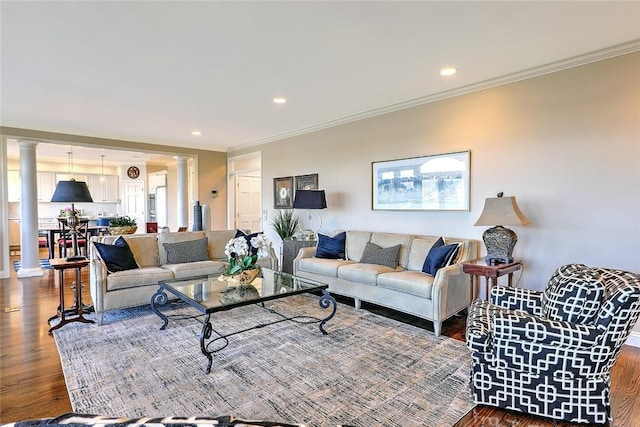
column 550, row 353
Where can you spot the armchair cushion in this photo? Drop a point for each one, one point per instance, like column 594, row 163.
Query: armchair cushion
column 574, row 294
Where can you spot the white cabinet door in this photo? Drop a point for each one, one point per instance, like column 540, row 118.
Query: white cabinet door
column 67, row 177
column 14, row 232
column 46, row 186
column 111, row 194
column 103, row 191
column 13, row 181
column 95, row 188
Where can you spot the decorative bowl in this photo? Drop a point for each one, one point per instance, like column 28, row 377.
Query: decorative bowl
column 123, row 230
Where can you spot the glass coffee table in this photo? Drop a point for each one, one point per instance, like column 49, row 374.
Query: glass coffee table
column 214, row 293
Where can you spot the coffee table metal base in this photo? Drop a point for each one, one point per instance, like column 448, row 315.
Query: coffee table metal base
column 160, row 298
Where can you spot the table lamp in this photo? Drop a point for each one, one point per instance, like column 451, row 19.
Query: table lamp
column 310, row 200
column 72, row 191
column 499, row 240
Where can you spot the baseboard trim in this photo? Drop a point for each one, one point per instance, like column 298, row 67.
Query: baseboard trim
column 634, row 339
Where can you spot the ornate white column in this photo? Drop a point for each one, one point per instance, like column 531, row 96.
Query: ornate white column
column 182, row 191
column 29, row 248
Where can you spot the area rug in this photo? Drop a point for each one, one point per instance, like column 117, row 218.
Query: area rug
column 368, row 371
column 44, row 263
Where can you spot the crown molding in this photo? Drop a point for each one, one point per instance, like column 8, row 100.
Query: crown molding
column 576, row 61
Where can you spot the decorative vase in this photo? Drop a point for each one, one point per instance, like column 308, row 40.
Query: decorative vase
column 130, row 229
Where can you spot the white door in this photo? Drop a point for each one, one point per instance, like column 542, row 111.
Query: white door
column 134, row 204
column 248, row 196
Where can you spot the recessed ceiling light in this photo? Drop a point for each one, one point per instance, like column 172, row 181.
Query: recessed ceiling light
column 279, row 100
column 449, row 71
column 196, row 133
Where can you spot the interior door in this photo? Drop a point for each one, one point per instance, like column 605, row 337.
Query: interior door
column 248, row 196
column 134, row 203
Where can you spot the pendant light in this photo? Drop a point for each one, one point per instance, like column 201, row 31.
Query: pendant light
column 102, row 178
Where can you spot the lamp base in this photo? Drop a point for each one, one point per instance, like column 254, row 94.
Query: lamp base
column 499, row 242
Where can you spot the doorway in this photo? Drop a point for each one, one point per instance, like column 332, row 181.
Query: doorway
column 245, row 192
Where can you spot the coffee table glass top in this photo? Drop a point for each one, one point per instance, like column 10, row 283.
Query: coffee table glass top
column 216, row 293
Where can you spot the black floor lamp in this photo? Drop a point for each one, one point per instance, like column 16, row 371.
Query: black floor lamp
column 72, row 191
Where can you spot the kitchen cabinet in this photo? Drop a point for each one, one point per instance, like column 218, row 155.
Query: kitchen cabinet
column 14, row 232
column 67, row 177
column 46, row 186
column 103, row 191
column 13, row 183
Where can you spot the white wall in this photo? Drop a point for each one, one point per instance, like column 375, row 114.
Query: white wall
column 567, row 145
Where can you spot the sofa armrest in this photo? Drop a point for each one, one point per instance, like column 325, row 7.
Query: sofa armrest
column 451, row 291
column 519, row 326
column 271, row 261
column 97, row 282
column 307, row 252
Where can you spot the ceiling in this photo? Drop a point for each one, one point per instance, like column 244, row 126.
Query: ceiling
column 156, row 71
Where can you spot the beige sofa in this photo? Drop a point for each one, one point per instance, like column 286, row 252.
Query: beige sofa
column 405, row 288
column 135, row 287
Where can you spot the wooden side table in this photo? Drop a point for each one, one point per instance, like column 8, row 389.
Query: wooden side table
column 77, row 310
column 479, row 267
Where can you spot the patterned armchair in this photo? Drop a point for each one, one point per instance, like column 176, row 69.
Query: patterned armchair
column 550, row 353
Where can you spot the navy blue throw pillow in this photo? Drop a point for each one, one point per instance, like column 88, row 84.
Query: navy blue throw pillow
column 248, row 237
column 331, row 247
column 117, row 257
column 437, row 257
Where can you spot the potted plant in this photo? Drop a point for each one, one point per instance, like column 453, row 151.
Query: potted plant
column 122, row 225
column 285, row 223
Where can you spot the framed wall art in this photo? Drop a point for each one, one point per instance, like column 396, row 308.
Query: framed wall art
column 307, row 182
column 283, row 192
column 438, row 183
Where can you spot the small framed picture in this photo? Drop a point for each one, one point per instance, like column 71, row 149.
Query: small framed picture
column 283, row 192
column 307, row 182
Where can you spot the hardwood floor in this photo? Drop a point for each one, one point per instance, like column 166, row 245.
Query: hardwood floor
column 32, row 384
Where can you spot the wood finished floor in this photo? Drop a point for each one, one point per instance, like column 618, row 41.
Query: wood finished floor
column 32, row 384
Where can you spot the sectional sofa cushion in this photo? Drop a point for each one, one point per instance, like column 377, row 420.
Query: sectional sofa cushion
column 188, row 251
column 408, row 281
column 385, row 240
column 323, row 266
column 331, row 247
column 355, row 243
column 139, row 277
column 117, row 256
column 217, row 241
column 362, row 272
column 374, row 254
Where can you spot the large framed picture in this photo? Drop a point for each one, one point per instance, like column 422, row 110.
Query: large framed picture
column 307, row 182
column 283, row 192
column 438, row 183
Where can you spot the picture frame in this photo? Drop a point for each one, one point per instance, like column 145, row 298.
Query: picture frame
column 429, row 183
column 283, row 192
column 307, row 182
